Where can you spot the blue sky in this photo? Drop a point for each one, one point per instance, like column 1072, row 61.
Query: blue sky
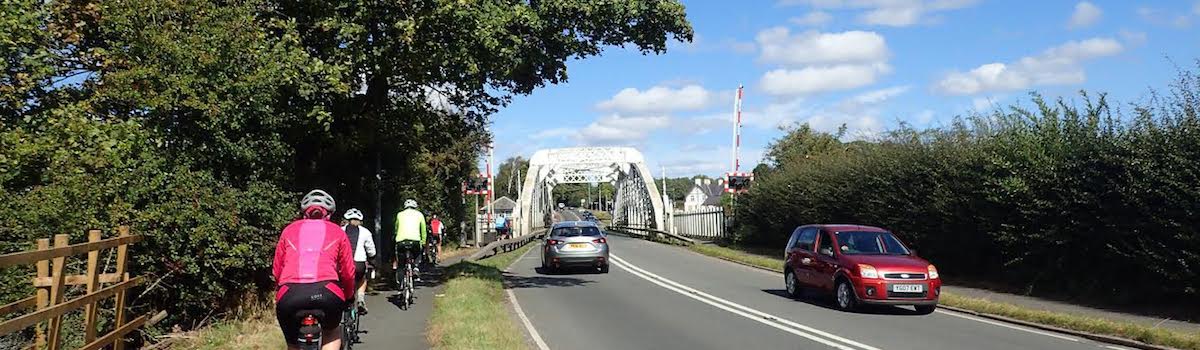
column 869, row 64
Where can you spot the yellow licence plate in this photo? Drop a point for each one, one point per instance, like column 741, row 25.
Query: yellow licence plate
column 577, row 245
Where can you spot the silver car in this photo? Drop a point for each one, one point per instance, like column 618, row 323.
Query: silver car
column 575, row 244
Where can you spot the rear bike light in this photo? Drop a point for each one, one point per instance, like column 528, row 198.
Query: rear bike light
column 309, row 321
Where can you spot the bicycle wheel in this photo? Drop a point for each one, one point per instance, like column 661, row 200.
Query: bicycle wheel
column 348, row 333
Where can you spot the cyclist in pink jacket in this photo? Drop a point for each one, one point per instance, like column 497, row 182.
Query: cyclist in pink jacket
column 314, row 270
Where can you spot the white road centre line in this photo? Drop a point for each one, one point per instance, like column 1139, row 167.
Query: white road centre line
column 995, row 323
column 742, row 310
column 1114, row 347
column 533, row 333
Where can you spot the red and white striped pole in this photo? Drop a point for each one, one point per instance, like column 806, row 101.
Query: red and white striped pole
column 737, row 128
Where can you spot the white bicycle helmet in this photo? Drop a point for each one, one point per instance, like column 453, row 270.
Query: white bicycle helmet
column 410, row 203
column 353, row 214
column 318, row 198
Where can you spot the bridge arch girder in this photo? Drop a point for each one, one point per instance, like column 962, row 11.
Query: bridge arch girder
column 636, row 201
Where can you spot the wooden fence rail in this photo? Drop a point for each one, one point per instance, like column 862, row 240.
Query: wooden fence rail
column 51, row 281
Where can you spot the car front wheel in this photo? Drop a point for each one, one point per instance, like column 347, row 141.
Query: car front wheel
column 793, row 286
column 844, row 295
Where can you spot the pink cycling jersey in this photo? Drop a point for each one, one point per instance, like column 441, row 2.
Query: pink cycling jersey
column 312, row 251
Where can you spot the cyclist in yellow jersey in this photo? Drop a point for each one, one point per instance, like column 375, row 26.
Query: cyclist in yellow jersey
column 410, row 233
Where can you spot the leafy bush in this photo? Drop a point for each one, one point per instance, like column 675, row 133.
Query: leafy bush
column 1058, row 199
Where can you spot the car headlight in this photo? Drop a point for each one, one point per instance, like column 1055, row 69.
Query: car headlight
column 867, row 271
column 933, row 272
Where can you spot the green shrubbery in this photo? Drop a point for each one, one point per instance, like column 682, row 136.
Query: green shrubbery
column 199, row 122
column 1071, row 197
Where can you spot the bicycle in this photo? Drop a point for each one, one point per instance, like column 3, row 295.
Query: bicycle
column 350, row 324
column 431, row 258
column 404, row 278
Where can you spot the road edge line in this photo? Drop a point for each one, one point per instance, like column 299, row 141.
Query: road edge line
column 512, row 298
column 1106, row 339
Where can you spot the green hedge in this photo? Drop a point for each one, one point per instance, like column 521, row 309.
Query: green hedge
column 1070, row 197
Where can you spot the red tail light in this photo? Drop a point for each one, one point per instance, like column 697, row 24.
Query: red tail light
column 309, row 321
column 600, row 240
column 552, row 242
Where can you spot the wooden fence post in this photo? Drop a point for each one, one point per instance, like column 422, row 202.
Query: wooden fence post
column 57, row 274
column 93, row 283
column 122, row 255
column 43, row 294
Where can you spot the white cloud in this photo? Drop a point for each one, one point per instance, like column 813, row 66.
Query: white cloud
column 1164, row 18
column 1131, row 37
column 877, row 96
column 895, row 13
column 812, row 47
column 1060, row 65
column 554, row 133
column 924, row 117
column 619, row 130
column 1086, row 14
column 986, row 103
column 658, row 99
column 814, row 79
column 812, row 19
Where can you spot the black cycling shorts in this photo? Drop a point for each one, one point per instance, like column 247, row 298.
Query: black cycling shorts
column 297, row 297
column 410, row 246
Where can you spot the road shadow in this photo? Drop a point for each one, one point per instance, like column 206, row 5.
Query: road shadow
column 823, row 301
column 431, row 277
column 517, row 282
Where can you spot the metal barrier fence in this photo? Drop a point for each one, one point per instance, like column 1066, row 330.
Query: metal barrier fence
column 706, row 223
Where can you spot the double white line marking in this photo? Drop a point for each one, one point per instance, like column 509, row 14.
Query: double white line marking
column 744, row 311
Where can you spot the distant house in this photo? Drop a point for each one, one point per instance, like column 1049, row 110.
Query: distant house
column 705, row 194
column 504, row 206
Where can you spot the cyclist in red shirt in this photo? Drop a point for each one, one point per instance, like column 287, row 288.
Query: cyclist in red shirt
column 435, row 233
column 314, row 270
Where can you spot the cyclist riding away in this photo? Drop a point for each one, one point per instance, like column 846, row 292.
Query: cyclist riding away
column 364, row 247
column 410, row 234
column 435, row 233
column 314, row 270
column 501, row 227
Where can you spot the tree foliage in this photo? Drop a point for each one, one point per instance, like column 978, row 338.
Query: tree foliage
column 199, row 122
column 1061, row 199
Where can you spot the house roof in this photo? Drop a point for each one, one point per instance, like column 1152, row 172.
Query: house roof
column 713, row 200
column 502, row 204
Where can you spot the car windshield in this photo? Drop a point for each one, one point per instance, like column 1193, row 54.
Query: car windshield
column 578, row 231
column 870, row 243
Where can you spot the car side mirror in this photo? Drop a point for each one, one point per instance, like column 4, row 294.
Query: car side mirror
column 827, row 252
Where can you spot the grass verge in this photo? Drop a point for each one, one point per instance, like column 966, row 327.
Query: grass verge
column 472, row 312
column 1127, row 330
column 258, row 331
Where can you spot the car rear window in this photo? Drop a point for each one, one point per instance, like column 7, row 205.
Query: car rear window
column 589, row 231
column 870, row 243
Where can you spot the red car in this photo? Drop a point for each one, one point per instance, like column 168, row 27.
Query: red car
column 859, row 265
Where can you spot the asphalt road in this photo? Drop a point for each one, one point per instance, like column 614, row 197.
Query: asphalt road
column 663, row 297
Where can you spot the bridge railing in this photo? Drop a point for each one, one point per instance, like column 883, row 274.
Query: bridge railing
column 505, row 245
column 703, row 223
column 652, row 234
column 51, row 282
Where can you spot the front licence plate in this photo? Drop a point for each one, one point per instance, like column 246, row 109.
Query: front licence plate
column 908, row 288
column 577, row 246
